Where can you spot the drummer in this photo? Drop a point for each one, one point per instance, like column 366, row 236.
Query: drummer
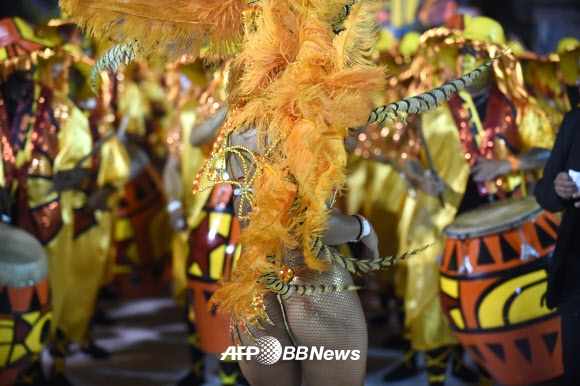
column 46, row 164
column 481, row 143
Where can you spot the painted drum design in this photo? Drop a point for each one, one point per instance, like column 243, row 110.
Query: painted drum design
column 25, row 312
column 213, row 251
column 492, row 287
column 142, row 240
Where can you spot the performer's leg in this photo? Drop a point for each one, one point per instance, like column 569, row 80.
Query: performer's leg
column 230, row 372
column 406, row 369
column 333, row 321
column 33, row 375
column 436, row 364
column 483, row 377
column 570, row 310
column 90, row 347
column 59, row 351
column 195, row 376
column 458, row 368
column 283, row 372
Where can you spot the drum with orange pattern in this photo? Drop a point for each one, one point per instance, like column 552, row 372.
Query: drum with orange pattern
column 492, row 287
column 142, row 240
column 213, row 251
column 25, row 311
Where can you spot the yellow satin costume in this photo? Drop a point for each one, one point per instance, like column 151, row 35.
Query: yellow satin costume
column 191, row 160
column 423, row 216
column 424, row 220
column 90, row 269
column 72, row 274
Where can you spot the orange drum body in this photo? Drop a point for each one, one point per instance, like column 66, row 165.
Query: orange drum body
column 493, row 281
column 25, row 312
column 142, row 240
column 214, row 249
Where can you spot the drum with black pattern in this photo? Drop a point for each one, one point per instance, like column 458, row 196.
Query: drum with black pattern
column 214, row 249
column 142, row 241
column 492, row 286
column 25, row 311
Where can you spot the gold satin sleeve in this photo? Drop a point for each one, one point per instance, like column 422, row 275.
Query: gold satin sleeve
column 422, row 222
column 74, row 136
column 193, row 159
column 115, row 164
column 377, row 191
column 133, row 104
column 536, row 130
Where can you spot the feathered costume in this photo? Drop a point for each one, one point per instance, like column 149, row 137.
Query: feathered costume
column 300, row 78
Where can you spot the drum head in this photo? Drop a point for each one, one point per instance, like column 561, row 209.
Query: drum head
column 493, row 218
column 23, row 261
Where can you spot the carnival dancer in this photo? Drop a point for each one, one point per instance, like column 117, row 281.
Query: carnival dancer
column 46, row 141
column 300, row 78
column 94, row 213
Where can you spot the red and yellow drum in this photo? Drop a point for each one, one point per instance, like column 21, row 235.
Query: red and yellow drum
column 25, row 312
column 213, row 251
column 142, row 240
column 493, row 281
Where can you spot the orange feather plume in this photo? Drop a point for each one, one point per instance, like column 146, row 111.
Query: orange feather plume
column 303, row 87
column 162, row 29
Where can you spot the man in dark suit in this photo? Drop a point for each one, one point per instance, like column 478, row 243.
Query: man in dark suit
column 557, row 191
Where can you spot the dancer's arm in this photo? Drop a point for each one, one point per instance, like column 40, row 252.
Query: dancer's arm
column 342, row 229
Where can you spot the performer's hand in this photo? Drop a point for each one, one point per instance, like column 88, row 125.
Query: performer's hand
column 177, row 219
column 98, row 200
column 69, row 179
column 371, row 245
column 489, row 169
column 566, row 187
column 432, row 184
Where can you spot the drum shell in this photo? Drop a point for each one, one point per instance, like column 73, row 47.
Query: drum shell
column 496, row 309
column 213, row 251
column 25, row 312
column 142, row 249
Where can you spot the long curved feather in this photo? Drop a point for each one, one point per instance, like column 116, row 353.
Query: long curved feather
column 110, row 61
column 163, row 29
column 273, row 284
column 355, row 38
column 426, row 101
column 360, row 266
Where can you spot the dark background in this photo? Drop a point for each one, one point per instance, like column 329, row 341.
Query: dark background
column 539, row 24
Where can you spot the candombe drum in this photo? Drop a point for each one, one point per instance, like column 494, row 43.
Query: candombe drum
column 142, row 238
column 25, row 312
column 492, row 286
column 214, row 249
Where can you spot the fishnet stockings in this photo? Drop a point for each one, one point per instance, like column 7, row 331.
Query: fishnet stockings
column 334, row 320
